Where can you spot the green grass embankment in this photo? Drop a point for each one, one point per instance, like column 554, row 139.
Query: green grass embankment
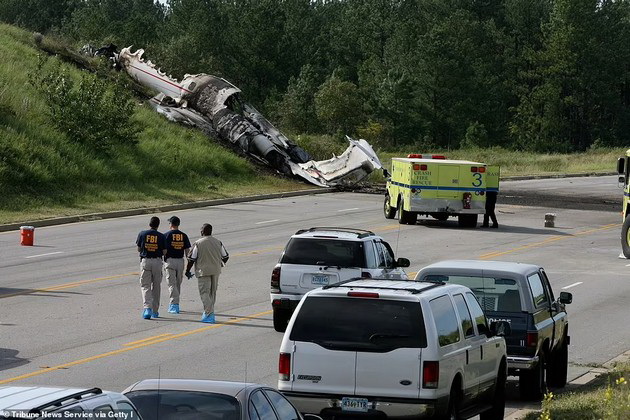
column 607, row 397
column 43, row 174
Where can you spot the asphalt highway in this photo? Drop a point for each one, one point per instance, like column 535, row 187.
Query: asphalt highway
column 70, row 306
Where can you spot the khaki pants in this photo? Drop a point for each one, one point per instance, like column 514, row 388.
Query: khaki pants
column 174, row 268
column 150, row 279
column 208, row 292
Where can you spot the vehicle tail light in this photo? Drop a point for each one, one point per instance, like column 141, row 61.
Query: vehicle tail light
column 416, row 167
column 482, row 193
column 438, row 157
column 481, row 169
column 366, row 275
column 467, row 200
column 275, row 280
column 363, row 294
column 284, row 367
column 423, row 167
column 532, row 339
column 430, row 374
column 473, row 169
column 414, row 156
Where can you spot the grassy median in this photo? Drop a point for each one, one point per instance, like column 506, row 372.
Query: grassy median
column 606, row 397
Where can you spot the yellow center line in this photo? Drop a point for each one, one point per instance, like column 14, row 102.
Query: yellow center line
column 547, row 241
column 127, row 349
column 67, row 285
column 146, row 339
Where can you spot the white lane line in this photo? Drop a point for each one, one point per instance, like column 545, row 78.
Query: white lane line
column 571, row 285
column 42, row 255
column 354, row 208
column 266, row 221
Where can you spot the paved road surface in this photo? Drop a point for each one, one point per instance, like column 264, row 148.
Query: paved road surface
column 70, row 306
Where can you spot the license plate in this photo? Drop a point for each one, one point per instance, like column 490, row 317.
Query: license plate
column 321, row 280
column 354, row 404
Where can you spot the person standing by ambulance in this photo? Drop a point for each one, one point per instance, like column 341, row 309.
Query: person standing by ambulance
column 208, row 255
column 152, row 247
column 177, row 245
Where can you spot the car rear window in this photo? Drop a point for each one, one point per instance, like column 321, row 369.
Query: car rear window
column 310, row 251
column 493, row 294
column 360, row 324
column 174, row 405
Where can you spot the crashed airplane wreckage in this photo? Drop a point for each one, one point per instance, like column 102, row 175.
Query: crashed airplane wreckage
column 214, row 105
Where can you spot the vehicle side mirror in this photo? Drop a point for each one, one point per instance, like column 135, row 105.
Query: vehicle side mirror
column 621, row 166
column 565, row 297
column 500, row 328
column 402, row 262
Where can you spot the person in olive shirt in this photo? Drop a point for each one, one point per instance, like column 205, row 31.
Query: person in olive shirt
column 208, row 255
column 152, row 247
column 177, row 245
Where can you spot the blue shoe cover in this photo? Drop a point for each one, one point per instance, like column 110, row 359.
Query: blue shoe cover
column 146, row 314
column 173, row 308
column 155, row 314
column 208, row 318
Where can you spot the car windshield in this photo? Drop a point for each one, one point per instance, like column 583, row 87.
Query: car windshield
column 493, row 294
column 376, row 325
column 184, row 405
column 313, row 251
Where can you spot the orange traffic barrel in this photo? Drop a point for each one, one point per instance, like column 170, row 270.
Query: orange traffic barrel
column 27, row 234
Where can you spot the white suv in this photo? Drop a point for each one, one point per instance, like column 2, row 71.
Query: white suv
column 321, row 256
column 397, row 348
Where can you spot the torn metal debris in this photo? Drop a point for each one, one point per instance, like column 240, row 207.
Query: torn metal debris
column 215, row 106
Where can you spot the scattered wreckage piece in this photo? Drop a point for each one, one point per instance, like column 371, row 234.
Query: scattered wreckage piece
column 215, row 106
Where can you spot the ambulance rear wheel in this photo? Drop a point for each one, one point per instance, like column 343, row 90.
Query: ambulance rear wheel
column 467, row 220
column 390, row 212
column 625, row 237
column 405, row 217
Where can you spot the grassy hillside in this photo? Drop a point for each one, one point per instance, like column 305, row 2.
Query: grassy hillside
column 43, row 173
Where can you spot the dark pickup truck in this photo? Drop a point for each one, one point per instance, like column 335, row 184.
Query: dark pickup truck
column 520, row 294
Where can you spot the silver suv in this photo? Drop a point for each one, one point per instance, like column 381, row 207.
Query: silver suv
column 322, row 256
column 18, row 402
column 401, row 349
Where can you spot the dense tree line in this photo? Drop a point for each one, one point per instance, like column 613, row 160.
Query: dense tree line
column 544, row 75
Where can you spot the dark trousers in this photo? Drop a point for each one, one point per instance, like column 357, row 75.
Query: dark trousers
column 491, row 201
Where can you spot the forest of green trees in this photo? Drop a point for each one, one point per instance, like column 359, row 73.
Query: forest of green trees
column 538, row 75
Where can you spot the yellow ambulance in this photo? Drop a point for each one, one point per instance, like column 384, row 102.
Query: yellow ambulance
column 432, row 185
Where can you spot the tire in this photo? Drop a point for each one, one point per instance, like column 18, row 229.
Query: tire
column 532, row 384
column 467, row 220
column 281, row 319
column 389, row 211
column 452, row 409
column 625, row 237
column 498, row 400
column 558, row 366
column 405, row 217
column 442, row 216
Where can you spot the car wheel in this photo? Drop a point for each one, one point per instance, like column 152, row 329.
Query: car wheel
column 452, row 410
column 281, row 319
column 558, row 366
column 498, row 400
column 390, row 212
column 532, row 384
column 625, row 237
column 405, row 217
column 467, row 220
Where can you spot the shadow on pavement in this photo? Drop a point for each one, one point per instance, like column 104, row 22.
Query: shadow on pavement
column 9, row 359
column 452, row 224
column 6, row 292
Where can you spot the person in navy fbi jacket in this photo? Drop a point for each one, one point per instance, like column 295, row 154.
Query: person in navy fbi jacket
column 177, row 245
column 152, row 248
